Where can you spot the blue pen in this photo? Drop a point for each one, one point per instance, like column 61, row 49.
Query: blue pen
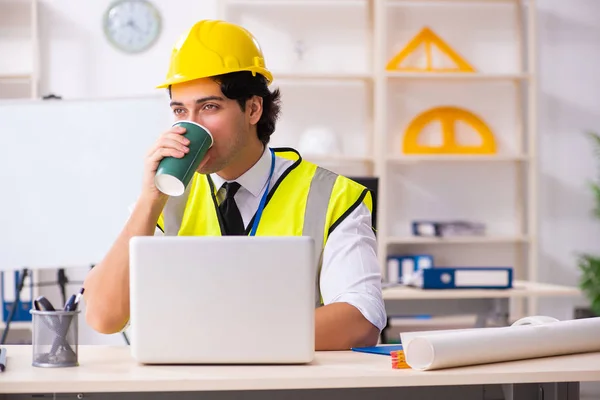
column 69, row 304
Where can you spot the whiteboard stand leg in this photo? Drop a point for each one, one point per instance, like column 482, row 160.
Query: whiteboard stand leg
column 15, row 304
column 126, row 338
column 62, row 282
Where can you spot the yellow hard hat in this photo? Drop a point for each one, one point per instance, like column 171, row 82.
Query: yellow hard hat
column 213, row 47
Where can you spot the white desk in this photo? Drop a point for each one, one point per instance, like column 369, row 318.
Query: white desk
column 486, row 304
column 111, row 370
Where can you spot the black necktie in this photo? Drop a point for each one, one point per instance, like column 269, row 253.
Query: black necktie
column 234, row 224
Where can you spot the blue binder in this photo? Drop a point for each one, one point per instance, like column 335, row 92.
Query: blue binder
column 402, row 266
column 465, row 278
column 8, row 288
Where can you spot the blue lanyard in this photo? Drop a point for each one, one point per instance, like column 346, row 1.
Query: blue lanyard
column 263, row 201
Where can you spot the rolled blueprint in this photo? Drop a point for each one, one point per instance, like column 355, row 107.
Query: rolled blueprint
column 444, row 349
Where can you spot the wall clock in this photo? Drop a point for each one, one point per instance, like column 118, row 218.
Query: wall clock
column 132, row 26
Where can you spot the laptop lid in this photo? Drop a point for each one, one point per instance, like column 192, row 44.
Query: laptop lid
column 231, row 299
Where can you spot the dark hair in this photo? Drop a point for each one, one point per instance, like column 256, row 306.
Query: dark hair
column 241, row 86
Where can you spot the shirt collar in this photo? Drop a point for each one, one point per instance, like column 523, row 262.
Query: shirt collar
column 253, row 180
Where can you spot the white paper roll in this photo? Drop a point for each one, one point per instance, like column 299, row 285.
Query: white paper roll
column 534, row 320
column 534, row 337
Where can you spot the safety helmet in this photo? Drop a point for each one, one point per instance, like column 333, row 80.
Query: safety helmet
column 213, row 47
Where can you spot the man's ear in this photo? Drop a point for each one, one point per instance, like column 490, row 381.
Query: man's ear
column 255, row 108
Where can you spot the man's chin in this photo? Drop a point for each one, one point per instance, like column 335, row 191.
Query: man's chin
column 208, row 169
column 205, row 171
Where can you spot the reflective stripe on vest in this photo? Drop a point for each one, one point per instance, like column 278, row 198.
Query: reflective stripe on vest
column 315, row 217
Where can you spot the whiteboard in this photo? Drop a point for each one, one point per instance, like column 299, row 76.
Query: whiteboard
column 69, row 171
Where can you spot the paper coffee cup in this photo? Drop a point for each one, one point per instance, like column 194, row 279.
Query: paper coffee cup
column 174, row 174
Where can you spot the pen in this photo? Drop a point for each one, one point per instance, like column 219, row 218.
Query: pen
column 73, row 302
column 43, row 304
column 2, row 359
column 69, row 303
column 78, row 297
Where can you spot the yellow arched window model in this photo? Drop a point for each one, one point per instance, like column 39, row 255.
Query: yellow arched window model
column 448, row 117
column 428, row 39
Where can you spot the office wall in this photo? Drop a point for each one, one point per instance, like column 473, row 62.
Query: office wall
column 78, row 62
column 569, row 104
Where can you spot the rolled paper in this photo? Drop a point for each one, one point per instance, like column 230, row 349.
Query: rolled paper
column 534, row 320
column 532, row 338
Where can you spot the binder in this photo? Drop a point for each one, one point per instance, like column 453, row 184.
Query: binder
column 8, row 290
column 447, row 228
column 464, row 278
column 401, row 267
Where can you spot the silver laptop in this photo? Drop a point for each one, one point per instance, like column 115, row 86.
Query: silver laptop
column 222, row 300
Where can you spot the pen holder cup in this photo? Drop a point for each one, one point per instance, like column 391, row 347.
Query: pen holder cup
column 55, row 337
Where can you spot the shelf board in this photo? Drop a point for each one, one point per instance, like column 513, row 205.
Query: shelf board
column 21, row 3
column 442, row 158
column 321, row 76
column 15, row 78
column 320, row 3
column 476, row 76
column 340, row 159
column 17, row 325
column 456, row 240
column 400, row 3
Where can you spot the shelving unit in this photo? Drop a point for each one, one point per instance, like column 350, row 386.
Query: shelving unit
column 457, row 76
column 19, row 49
column 451, row 158
column 342, row 71
column 281, row 76
column 457, row 240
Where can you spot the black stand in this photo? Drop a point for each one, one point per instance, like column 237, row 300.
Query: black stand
column 62, row 282
column 15, row 304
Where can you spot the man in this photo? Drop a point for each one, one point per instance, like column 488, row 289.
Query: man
column 218, row 79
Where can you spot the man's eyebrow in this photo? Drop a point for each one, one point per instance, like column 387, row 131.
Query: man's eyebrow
column 198, row 101
column 209, row 98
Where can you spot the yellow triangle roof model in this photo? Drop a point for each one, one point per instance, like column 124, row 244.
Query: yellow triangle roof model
column 428, row 38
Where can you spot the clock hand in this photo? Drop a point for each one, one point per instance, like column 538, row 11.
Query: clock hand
column 134, row 26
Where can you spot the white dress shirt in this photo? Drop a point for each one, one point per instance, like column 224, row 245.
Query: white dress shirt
column 350, row 272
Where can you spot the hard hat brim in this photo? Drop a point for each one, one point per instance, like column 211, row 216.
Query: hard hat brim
column 182, row 79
